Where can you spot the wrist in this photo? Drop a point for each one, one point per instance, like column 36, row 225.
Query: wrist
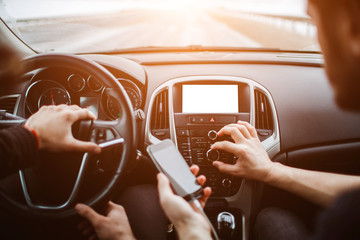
column 126, row 237
column 193, row 233
column 273, row 173
column 33, row 131
column 192, row 229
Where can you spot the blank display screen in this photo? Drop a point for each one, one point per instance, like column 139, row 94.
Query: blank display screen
column 210, row 99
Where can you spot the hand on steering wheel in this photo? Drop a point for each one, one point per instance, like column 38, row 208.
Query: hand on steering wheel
column 52, row 125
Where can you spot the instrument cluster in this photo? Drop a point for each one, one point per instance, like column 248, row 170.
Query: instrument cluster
column 86, row 92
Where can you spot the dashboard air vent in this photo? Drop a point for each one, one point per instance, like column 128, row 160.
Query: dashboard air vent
column 8, row 103
column 160, row 116
column 263, row 115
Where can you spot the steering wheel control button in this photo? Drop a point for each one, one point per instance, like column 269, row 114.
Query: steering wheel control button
column 213, row 155
column 226, row 183
column 212, row 135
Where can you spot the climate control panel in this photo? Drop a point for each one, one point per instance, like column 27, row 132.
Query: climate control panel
column 195, row 146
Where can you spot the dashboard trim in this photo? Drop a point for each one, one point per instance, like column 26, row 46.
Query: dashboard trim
column 225, row 62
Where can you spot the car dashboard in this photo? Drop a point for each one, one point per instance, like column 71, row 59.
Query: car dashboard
column 285, row 95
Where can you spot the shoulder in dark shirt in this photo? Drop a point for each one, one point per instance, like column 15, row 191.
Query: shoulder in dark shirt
column 342, row 220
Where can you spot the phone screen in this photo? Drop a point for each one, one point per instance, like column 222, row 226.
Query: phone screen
column 170, row 162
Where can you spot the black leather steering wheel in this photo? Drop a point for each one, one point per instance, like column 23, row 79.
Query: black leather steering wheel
column 123, row 129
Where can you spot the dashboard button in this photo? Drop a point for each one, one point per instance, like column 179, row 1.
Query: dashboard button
column 185, row 146
column 182, row 133
column 186, row 153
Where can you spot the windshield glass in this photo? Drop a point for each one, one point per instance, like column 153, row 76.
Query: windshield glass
column 84, row 26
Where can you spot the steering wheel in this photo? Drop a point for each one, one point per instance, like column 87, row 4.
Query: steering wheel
column 122, row 128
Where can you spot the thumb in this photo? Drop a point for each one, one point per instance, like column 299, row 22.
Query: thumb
column 87, row 212
column 113, row 206
column 164, row 186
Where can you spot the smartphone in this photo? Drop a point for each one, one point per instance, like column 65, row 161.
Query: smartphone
column 169, row 161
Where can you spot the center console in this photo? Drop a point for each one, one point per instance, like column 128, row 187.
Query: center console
column 200, row 111
column 190, row 111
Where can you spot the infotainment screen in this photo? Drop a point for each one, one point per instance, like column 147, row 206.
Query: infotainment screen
column 210, row 98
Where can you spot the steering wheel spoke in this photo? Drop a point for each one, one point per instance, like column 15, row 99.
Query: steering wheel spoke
column 102, row 131
column 105, row 146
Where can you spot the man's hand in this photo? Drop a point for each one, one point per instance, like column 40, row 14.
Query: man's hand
column 252, row 159
column 114, row 226
column 189, row 223
column 53, row 127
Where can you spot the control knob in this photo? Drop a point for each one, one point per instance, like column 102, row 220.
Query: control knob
column 226, row 182
column 212, row 134
column 213, row 155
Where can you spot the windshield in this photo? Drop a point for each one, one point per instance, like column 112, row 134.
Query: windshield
column 84, row 26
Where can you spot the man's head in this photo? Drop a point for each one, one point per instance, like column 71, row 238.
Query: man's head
column 9, row 62
column 338, row 23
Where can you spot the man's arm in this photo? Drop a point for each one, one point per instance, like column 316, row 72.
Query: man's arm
column 189, row 223
column 319, row 187
column 18, row 150
column 254, row 163
column 48, row 129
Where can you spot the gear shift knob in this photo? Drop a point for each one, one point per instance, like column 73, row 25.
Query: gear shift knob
column 225, row 225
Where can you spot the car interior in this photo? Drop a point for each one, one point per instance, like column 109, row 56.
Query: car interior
column 187, row 94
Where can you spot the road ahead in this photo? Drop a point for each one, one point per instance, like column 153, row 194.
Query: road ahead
column 130, row 29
